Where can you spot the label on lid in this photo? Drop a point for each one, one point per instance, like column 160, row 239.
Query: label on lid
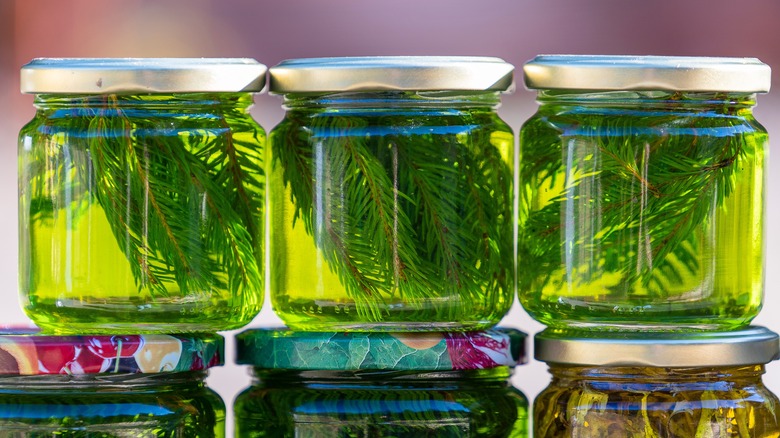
column 26, row 354
column 283, row 349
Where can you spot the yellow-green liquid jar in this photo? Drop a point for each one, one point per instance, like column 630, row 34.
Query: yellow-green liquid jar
column 141, row 198
column 642, row 193
column 629, row 386
column 390, row 193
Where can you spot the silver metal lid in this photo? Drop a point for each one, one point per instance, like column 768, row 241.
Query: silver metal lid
column 142, row 75
column 749, row 346
column 672, row 73
column 399, row 73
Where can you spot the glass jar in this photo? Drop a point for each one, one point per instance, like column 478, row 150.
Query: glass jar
column 316, row 384
column 390, row 193
column 656, row 385
column 110, row 386
column 642, row 193
column 141, row 195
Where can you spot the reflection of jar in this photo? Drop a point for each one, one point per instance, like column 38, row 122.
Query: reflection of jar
column 309, row 384
column 656, row 385
column 391, row 194
column 642, row 197
column 141, row 195
column 137, row 385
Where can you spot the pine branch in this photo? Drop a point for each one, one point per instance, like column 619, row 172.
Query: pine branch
column 156, row 186
column 423, row 214
column 655, row 192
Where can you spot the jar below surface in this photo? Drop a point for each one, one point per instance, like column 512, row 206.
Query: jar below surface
column 350, row 384
column 109, row 386
column 140, row 212
column 633, row 402
column 381, row 404
column 642, row 208
column 656, row 385
column 122, row 405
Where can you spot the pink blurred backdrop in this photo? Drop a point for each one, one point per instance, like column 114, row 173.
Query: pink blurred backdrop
column 273, row 30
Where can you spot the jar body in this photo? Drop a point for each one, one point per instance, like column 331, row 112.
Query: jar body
column 120, row 405
column 382, row 404
column 141, row 213
column 656, row 402
column 642, row 209
column 391, row 211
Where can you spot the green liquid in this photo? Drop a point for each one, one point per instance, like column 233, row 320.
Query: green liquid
column 105, row 411
column 647, row 217
column 384, row 405
column 141, row 214
column 655, row 403
column 396, row 218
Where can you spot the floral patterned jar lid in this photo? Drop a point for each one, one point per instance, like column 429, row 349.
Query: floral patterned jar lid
column 25, row 353
column 441, row 351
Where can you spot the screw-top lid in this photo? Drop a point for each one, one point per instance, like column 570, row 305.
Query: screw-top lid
column 399, row 73
column 22, row 353
column 142, row 75
column 671, row 73
column 749, row 346
column 284, row 349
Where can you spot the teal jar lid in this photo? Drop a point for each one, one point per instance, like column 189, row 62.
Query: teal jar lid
column 748, row 346
column 672, row 73
column 26, row 353
column 329, row 351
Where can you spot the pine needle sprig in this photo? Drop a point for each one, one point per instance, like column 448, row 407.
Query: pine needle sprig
column 400, row 211
column 156, row 185
column 244, row 164
column 652, row 184
column 54, row 175
column 346, row 201
column 142, row 209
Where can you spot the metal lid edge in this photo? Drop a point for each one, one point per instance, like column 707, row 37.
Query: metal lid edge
column 758, row 346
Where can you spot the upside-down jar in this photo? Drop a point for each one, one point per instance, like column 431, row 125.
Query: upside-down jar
column 653, row 385
column 315, row 384
column 106, row 386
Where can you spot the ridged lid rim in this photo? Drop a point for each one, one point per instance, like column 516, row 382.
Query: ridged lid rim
column 391, row 73
column 142, row 75
column 669, row 73
column 749, row 346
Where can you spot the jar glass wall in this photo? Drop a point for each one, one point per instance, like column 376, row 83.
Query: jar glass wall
column 656, row 402
column 141, row 212
column 390, row 209
column 478, row 403
column 164, row 406
column 642, row 208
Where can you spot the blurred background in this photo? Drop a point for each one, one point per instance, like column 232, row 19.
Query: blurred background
column 273, row 30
